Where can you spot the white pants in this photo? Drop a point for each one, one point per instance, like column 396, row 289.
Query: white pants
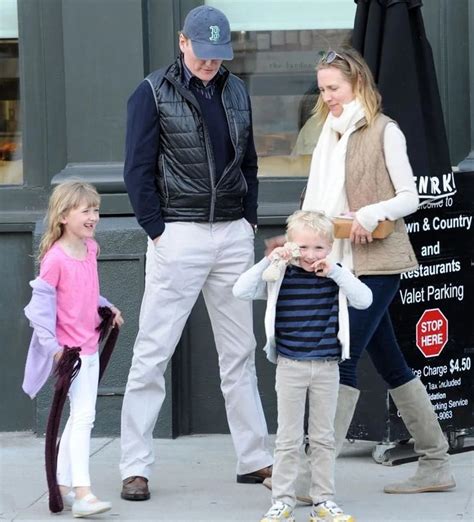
column 293, row 380
column 73, row 456
column 188, row 258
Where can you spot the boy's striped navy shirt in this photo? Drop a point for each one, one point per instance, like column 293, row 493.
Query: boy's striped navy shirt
column 306, row 321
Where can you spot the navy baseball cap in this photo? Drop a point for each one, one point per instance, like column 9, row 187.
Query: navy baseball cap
column 209, row 32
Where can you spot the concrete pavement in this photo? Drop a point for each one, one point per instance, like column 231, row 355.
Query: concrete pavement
column 194, row 480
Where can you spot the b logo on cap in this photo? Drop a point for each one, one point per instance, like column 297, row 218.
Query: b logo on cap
column 215, row 33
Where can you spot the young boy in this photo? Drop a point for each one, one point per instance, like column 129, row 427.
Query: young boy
column 307, row 328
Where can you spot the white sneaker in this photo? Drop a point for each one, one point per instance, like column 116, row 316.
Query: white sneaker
column 329, row 511
column 89, row 505
column 68, row 500
column 279, row 511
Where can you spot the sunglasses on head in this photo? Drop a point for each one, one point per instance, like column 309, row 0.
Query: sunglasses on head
column 330, row 56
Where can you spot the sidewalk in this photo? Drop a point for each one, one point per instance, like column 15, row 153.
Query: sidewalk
column 194, row 480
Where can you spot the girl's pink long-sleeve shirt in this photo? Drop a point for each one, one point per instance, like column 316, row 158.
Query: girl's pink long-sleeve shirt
column 77, row 290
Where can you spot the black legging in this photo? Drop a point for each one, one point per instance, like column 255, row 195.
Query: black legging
column 372, row 329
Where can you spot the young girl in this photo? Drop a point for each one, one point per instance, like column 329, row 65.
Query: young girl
column 63, row 312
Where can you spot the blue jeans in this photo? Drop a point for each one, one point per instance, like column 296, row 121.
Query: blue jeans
column 372, row 329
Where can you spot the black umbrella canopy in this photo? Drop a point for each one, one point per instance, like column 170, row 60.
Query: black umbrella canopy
column 390, row 35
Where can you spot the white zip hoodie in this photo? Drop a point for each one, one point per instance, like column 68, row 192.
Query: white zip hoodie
column 352, row 292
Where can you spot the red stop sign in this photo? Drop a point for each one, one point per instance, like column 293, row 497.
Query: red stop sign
column 432, row 332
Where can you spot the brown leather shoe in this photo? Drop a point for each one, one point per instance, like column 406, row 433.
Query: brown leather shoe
column 135, row 488
column 256, row 477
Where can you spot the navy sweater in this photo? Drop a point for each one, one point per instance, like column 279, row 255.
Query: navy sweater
column 214, row 117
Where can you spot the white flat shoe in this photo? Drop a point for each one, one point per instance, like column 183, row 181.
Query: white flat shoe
column 89, row 505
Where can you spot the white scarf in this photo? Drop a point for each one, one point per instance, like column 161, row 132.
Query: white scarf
column 326, row 191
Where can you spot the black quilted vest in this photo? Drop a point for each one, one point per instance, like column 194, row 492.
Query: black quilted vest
column 185, row 173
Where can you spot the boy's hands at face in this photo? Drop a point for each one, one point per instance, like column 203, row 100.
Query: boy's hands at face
column 322, row 267
column 282, row 252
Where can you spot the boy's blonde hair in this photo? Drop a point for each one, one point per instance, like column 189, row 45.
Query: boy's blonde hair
column 317, row 221
column 65, row 197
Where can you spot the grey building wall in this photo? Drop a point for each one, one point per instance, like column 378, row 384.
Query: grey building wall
column 79, row 63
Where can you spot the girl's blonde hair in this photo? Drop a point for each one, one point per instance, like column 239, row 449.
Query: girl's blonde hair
column 65, row 197
column 316, row 221
column 356, row 71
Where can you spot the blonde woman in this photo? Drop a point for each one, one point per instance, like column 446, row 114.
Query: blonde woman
column 360, row 167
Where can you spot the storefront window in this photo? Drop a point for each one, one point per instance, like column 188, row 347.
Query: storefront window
column 11, row 164
column 277, row 44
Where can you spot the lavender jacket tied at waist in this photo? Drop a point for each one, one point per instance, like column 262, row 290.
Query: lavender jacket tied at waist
column 41, row 312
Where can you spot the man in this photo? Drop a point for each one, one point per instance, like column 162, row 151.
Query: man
column 191, row 174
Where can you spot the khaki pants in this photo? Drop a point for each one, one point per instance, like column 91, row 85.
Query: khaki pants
column 190, row 258
column 294, row 378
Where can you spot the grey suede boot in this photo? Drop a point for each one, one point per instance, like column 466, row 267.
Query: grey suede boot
column 346, row 404
column 433, row 472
